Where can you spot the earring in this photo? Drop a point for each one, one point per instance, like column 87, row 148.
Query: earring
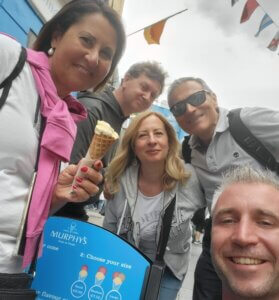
column 50, row 51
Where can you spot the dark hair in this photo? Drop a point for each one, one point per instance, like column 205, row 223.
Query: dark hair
column 182, row 80
column 72, row 13
column 152, row 70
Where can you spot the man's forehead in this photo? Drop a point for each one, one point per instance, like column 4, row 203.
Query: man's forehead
column 184, row 90
column 250, row 196
column 145, row 77
column 152, row 83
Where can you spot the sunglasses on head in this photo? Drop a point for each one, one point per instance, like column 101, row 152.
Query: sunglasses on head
column 195, row 99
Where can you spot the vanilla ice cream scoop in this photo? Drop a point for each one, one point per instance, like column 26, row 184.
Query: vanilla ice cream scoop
column 104, row 137
column 104, row 128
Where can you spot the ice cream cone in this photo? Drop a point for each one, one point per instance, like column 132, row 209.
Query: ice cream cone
column 104, row 137
column 99, row 145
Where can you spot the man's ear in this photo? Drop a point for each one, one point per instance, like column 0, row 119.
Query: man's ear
column 126, row 78
column 214, row 97
column 170, row 102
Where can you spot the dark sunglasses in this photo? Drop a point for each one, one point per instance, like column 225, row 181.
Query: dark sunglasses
column 195, row 99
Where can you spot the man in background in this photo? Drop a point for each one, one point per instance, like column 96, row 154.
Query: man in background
column 141, row 85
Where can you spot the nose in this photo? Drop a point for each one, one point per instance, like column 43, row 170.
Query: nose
column 147, row 96
column 152, row 139
column 190, row 108
column 93, row 57
column 244, row 234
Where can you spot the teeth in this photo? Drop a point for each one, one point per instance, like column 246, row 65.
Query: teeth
column 247, row 261
column 84, row 70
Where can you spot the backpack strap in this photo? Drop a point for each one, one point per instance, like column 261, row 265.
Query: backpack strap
column 186, row 149
column 247, row 141
column 158, row 266
column 6, row 84
column 165, row 230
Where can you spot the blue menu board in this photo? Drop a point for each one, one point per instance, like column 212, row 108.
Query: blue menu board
column 83, row 261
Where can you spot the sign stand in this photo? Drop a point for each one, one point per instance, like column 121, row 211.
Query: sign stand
column 84, row 261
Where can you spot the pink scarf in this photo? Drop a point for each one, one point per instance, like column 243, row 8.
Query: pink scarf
column 56, row 145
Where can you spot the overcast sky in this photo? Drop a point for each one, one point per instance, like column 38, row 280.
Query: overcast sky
column 208, row 41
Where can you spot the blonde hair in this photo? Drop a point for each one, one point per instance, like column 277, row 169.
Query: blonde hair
column 125, row 155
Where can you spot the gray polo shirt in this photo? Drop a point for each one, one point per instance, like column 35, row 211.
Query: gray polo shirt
column 223, row 151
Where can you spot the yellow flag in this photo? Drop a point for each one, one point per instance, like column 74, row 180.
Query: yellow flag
column 153, row 33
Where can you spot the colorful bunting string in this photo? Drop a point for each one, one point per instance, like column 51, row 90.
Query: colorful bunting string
column 153, row 32
column 249, row 7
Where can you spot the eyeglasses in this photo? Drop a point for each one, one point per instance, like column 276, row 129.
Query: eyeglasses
column 195, row 99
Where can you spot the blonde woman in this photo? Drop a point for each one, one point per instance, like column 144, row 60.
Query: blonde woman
column 144, row 176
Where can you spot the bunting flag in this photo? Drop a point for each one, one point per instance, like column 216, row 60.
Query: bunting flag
column 233, row 2
column 248, row 10
column 274, row 43
column 153, row 33
column 266, row 20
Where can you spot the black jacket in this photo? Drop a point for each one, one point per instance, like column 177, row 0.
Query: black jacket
column 101, row 106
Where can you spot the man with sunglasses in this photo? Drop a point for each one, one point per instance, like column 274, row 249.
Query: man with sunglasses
column 213, row 152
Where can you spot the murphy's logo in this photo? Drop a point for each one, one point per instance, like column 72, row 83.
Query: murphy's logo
column 69, row 235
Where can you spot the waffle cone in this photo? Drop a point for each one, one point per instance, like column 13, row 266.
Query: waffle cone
column 99, row 145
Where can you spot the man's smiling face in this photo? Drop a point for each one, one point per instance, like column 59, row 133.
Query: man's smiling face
column 245, row 240
column 198, row 120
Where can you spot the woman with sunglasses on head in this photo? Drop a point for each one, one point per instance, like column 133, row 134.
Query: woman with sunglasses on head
column 77, row 49
column 143, row 178
column 214, row 150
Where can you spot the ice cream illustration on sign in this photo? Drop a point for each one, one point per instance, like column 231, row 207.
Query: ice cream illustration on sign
column 117, row 280
column 78, row 288
column 100, row 275
column 104, row 137
column 83, row 273
column 96, row 291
